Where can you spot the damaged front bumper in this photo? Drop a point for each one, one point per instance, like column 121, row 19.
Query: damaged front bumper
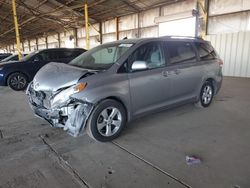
column 72, row 116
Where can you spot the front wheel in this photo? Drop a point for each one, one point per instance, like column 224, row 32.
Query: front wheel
column 206, row 95
column 17, row 81
column 106, row 121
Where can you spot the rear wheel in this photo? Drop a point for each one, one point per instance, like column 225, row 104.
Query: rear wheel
column 206, row 95
column 106, row 121
column 17, row 81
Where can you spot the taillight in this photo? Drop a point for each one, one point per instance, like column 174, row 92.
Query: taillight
column 220, row 63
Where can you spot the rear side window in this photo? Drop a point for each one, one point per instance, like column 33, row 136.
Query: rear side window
column 180, row 52
column 206, row 51
column 63, row 54
column 77, row 53
column 47, row 56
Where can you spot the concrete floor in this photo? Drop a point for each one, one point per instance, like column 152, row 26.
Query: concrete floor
column 150, row 153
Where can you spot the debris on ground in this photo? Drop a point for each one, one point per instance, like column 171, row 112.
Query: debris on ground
column 110, row 170
column 191, row 160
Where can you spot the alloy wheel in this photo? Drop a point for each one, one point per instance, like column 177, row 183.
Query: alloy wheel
column 109, row 121
column 207, row 94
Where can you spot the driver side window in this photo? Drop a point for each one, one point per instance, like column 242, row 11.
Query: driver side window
column 38, row 58
column 151, row 53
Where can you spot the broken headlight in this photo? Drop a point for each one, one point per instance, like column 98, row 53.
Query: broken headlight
column 62, row 97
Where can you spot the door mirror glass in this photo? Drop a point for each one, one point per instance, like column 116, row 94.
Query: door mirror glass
column 139, row 65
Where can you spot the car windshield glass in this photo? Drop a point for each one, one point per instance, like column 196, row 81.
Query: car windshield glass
column 29, row 56
column 8, row 58
column 101, row 57
column 13, row 57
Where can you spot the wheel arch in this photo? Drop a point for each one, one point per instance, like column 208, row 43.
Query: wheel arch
column 10, row 73
column 212, row 81
column 115, row 98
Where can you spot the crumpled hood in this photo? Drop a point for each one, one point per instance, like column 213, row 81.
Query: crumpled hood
column 54, row 76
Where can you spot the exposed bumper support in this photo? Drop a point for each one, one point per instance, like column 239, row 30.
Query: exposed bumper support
column 72, row 117
column 72, row 122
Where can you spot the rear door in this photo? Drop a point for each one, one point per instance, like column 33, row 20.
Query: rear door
column 183, row 69
column 147, row 87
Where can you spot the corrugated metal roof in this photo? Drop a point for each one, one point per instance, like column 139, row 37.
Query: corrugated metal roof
column 37, row 17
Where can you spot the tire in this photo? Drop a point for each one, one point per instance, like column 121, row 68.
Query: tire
column 206, row 95
column 17, row 81
column 104, row 126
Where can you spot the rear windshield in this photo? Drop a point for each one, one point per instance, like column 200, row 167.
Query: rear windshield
column 206, row 51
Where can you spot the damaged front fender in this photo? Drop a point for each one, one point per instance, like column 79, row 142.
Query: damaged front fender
column 72, row 117
column 78, row 118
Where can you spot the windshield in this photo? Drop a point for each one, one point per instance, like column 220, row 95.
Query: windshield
column 101, row 57
column 8, row 58
column 29, row 56
column 13, row 57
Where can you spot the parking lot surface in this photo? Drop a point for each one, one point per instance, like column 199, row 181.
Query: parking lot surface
column 150, row 153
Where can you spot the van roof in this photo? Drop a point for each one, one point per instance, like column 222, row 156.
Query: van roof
column 175, row 38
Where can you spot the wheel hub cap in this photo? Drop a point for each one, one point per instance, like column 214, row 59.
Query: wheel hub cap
column 18, row 82
column 207, row 94
column 109, row 121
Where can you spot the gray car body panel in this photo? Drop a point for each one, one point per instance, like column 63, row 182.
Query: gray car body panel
column 140, row 92
column 52, row 81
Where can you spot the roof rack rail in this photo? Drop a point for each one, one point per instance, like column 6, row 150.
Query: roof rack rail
column 182, row 37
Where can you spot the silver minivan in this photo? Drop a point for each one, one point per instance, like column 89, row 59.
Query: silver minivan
column 114, row 83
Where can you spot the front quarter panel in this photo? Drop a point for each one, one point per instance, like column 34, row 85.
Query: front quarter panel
column 106, row 85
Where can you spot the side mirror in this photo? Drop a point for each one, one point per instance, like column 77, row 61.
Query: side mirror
column 139, row 65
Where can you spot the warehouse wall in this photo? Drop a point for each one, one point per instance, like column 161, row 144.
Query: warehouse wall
column 234, row 49
column 229, row 32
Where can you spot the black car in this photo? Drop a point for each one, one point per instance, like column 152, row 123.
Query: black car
column 18, row 74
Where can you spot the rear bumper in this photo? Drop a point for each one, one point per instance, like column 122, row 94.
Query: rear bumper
column 218, row 84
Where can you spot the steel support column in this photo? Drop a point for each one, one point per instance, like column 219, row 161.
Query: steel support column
column 23, row 46
column 203, row 6
column 36, row 43
column 29, row 45
column 117, row 28
column 76, row 37
column 86, row 25
column 46, row 42
column 59, row 40
column 100, row 32
column 16, row 29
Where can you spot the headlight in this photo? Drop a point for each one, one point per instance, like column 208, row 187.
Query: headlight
column 64, row 95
